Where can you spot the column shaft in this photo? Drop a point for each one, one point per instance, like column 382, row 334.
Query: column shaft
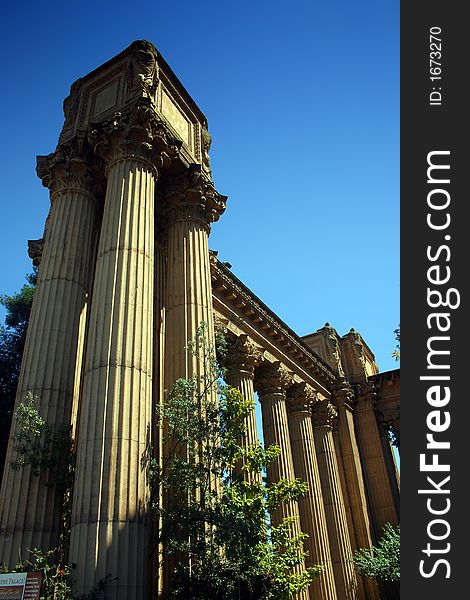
column 380, row 487
column 31, row 507
column 340, row 545
column 311, row 507
column 354, row 485
column 110, row 522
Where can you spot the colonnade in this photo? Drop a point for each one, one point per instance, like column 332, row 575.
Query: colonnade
column 124, row 282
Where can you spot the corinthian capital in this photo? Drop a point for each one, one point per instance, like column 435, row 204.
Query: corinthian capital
column 272, row 378
column 324, row 414
column 366, row 396
column 343, row 393
column 243, row 355
column 191, row 196
column 301, row 397
column 136, row 133
column 70, row 167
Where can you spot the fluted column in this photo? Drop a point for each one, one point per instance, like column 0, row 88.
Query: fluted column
column 348, row 453
column 110, row 521
column 31, row 507
column 192, row 205
column 271, row 383
column 324, row 414
column 243, row 357
column 300, row 398
column 382, row 491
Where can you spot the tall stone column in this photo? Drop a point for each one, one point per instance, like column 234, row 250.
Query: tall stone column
column 192, row 205
column 242, row 359
column 111, row 496
column 324, row 415
column 300, row 398
column 354, row 481
column 382, row 490
column 271, row 383
column 30, row 506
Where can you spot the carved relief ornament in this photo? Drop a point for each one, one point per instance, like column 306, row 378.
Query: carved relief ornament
column 324, row 414
column 273, row 378
column 191, row 196
column 135, row 133
column 142, row 70
column 243, row 355
column 301, row 397
column 70, row 168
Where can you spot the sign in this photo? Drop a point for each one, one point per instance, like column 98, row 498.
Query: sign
column 20, row 586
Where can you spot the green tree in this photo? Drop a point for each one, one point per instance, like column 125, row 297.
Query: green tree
column 216, row 527
column 12, row 340
column 381, row 562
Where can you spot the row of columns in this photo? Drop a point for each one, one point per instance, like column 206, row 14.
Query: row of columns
column 334, row 447
column 307, row 448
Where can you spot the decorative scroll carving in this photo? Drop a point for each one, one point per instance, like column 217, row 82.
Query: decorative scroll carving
column 70, row 167
column 343, row 393
column 366, row 396
column 272, row 378
column 324, row 414
column 243, row 355
column 142, row 71
column 301, row 397
column 191, row 196
column 136, row 133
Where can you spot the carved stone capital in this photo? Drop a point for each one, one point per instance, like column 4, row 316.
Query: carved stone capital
column 324, row 414
column 366, row 396
column 343, row 394
column 191, row 196
column 243, row 355
column 136, row 134
column 272, row 378
column 70, row 168
column 301, row 397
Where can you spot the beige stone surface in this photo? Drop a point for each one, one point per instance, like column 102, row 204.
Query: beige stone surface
column 324, row 415
column 311, row 507
column 51, row 368
column 110, row 521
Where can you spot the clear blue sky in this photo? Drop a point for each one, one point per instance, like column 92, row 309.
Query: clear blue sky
column 302, row 100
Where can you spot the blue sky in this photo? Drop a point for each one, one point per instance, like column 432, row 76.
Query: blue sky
column 302, row 100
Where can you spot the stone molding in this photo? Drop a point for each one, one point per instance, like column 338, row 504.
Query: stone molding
column 324, row 414
column 225, row 282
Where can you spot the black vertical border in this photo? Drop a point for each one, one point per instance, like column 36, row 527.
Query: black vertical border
column 426, row 128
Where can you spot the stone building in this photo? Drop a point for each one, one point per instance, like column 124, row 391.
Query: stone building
column 125, row 278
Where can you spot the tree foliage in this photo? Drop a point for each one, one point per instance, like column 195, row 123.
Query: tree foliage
column 12, row 340
column 215, row 528
column 381, row 562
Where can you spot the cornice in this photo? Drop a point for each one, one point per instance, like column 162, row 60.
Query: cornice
column 254, row 310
